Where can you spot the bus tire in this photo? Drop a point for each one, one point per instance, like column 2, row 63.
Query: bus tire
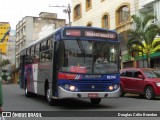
column 95, row 101
column 50, row 100
column 27, row 93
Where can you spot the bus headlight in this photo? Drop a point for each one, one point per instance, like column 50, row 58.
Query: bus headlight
column 111, row 87
column 72, row 88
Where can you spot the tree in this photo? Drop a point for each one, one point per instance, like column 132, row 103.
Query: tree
column 4, row 62
column 142, row 37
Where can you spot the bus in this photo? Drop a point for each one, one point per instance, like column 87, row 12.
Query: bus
column 72, row 62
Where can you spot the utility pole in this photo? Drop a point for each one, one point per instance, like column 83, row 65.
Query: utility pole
column 67, row 11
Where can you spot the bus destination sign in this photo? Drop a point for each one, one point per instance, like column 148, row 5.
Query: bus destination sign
column 73, row 32
column 90, row 33
column 100, row 34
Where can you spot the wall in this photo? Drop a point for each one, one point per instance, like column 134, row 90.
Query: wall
column 98, row 9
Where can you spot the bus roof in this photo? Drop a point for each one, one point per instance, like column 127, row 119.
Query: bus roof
column 85, row 27
column 68, row 27
column 38, row 40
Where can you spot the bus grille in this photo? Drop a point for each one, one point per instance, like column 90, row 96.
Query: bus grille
column 92, row 85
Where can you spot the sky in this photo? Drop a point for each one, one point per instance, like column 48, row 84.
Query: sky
column 13, row 11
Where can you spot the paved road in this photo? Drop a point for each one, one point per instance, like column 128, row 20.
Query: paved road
column 14, row 100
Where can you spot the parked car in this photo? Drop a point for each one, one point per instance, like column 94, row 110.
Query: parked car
column 142, row 81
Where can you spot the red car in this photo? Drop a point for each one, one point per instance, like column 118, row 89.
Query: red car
column 142, row 81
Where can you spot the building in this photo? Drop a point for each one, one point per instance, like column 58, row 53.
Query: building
column 115, row 15
column 11, row 55
column 4, row 35
column 11, row 46
column 102, row 13
column 28, row 29
column 151, row 7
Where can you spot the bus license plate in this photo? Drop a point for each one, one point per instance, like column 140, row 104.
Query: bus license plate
column 92, row 95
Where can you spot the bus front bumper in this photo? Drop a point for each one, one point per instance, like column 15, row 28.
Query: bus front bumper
column 62, row 93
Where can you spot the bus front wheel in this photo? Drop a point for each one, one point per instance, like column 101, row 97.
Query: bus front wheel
column 50, row 100
column 95, row 101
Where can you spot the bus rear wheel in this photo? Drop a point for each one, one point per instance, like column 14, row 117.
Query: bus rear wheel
column 27, row 93
column 95, row 101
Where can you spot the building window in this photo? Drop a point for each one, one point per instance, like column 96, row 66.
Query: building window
column 88, row 4
column 102, row 0
column 122, row 15
column 105, row 20
column 77, row 12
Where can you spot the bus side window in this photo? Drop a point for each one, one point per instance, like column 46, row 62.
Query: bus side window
column 32, row 55
column 37, row 50
column 43, row 52
column 27, row 57
column 49, row 50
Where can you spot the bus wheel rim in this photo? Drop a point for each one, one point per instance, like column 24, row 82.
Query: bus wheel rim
column 48, row 94
column 26, row 90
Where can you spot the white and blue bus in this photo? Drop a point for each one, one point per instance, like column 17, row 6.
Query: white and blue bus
column 72, row 62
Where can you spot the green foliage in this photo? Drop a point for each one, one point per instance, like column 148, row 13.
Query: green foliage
column 5, row 62
column 4, row 77
column 142, row 37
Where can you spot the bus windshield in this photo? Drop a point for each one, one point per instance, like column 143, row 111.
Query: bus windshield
column 89, row 57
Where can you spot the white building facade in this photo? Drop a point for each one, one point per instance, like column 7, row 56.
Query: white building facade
column 92, row 13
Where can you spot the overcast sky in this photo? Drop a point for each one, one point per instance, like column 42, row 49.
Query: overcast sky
column 13, row 11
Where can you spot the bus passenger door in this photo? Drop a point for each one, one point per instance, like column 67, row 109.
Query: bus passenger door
column 55, row 69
